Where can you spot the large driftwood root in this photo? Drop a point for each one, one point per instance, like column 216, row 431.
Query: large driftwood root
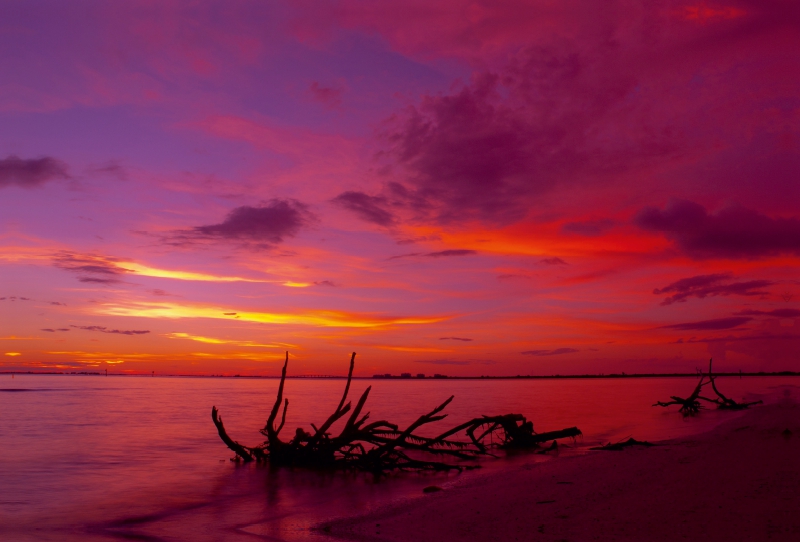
column 692, row 405
column 381, row 446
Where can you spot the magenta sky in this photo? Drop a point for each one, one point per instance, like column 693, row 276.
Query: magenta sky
column 524, row 187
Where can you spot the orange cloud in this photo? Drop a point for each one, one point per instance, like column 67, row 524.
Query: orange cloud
column 310, row 318
column 211, row 340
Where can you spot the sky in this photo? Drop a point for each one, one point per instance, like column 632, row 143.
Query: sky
column 455, row 187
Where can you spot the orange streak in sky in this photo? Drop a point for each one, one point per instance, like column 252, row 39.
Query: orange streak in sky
column 311, row 318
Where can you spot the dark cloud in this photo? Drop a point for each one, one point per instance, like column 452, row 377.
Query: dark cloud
column 366, row 207
column 324, row 283
column 409, row 255
column 733, row 232
column 589, row 228
column 270, row 223
column 456, row 362
column 710, row 285
column 98, row 280
column 777, row 313
column 438, row 254
column 553, row 261
column 419, row 239
column 51, row 330
column 330, row 97
column 103, row 329
column 556, row 352
column 489, row 149
column 14, row 171
column 88, row 263
column 58, row 303
column 452, row 252
column 454, row 339
column 92, row 268
column 718, row 323
column 15, row 298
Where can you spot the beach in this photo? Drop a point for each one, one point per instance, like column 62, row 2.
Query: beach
column 738, row 481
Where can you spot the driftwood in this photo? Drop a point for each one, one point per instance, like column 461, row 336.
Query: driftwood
column 691, row 405
column 382, row 446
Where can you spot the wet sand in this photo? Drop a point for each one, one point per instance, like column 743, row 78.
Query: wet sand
column 740, row 481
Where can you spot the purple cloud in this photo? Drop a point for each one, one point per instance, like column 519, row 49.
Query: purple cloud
column 14, row 171
column 98, row 280
column 553, row 261
column 710, row 285
column 589, row 228
column 438, row 254
column 733, row 232
column 103, row 329
column 777, row 313
column 51, row 330
column 270, row 223
column 324, row 283
column 454, row 339
column 489, row 149
column 330, row 97
column 718, row 323
column 556, row 352
column 366, row 207
column 452, row 252
column 88, row 263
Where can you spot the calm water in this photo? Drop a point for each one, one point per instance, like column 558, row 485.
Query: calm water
column 120, row 458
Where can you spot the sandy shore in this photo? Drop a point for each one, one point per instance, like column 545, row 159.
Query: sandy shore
column 740, row 481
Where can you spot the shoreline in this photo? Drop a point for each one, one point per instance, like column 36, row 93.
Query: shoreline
column 610, row 376
column 737, row 481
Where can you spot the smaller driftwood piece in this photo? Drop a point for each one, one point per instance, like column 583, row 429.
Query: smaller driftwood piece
column 381, row 446
column 692, row 405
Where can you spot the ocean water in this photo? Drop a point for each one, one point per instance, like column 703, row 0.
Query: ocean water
column 137, row 458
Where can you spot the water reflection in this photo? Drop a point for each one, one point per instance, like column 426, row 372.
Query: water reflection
column 95, row 458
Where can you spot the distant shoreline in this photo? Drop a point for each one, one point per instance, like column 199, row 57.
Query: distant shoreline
column 415, row 378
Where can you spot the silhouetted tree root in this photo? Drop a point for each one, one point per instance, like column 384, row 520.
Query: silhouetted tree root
column 691, row 405
column 381, row 446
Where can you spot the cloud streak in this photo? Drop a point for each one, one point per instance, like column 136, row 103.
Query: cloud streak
column 556, row 352
column 710, row 325
column 366, row 207
column 776, row 313
column 317, row 318
column 103, row 329
column 717, row 284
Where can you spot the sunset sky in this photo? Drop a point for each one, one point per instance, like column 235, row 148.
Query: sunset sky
column 458, row 187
